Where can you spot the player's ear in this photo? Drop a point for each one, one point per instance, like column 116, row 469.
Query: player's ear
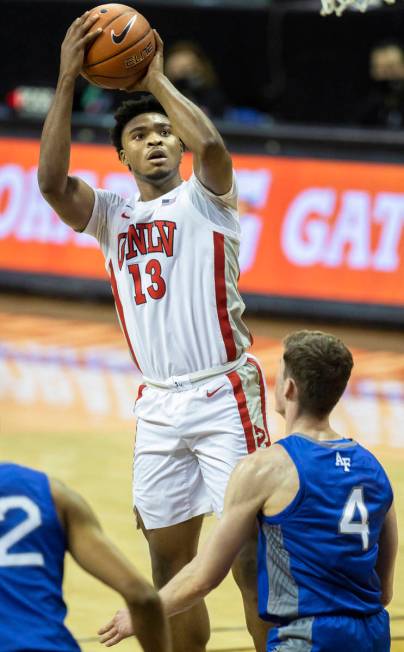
column 290, row 389
column 182, row 149
column 124, row 159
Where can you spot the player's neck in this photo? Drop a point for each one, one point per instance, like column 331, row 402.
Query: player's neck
column 149, row 191
column 311, row 426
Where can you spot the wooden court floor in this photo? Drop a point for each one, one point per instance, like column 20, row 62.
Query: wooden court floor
column 66, row 390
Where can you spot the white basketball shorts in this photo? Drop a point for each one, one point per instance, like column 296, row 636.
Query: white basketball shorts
column 188, row 443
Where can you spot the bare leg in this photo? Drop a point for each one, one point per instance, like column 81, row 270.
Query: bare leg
column 171, row 548
column 245, row 573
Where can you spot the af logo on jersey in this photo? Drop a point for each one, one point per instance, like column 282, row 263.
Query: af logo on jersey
column 343, row 461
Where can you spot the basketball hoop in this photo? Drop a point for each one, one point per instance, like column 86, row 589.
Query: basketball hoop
column 338, row 6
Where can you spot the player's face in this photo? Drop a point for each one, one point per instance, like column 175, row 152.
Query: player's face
column 150, row 149
column 280, row 388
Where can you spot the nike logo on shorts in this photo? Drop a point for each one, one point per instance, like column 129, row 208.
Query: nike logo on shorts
column 118, row 38
column 210, row 394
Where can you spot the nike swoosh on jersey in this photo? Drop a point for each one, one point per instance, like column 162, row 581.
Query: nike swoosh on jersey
column 210, row 394
column 125, row 215
column 118, row 38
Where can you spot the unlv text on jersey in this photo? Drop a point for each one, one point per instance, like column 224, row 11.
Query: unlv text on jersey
column 146, row 238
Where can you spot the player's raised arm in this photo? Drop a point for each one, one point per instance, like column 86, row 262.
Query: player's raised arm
column 386, row 560
column 70, row 197
column 94, row 552
column 212, row 161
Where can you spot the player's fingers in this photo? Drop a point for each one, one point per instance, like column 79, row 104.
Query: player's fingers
column 110, row 634
column 75, row 25
column 113, row 641
column 80, row 20
column 89, row 22
column 107, row 627
column 82, row 24
column 159, row 41
column 91, row 36
column 104, row 640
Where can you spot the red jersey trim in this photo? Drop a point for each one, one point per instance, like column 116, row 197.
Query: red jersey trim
column 262, row 393
column 221, row 297
column 243, row 410
column 120, row 312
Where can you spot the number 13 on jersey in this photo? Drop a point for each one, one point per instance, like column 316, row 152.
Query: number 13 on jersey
column 156, row 289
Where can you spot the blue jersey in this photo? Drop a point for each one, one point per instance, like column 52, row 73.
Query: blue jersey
column 32, row 550
column 318, row 556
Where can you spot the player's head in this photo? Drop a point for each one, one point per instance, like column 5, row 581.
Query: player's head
column 387, row 61
column 143, row 138
column 314, row 371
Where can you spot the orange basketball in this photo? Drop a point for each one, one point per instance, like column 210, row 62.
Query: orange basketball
column 120, row 55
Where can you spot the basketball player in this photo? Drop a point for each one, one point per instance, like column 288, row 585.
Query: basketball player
column 40, row 519
column 172, row 256
column 328, row 531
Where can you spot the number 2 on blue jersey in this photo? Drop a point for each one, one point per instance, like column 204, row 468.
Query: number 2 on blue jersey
column 20, row 531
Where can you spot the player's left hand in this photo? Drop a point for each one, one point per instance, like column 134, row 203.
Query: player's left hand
column 156, row 66
column 117, row 629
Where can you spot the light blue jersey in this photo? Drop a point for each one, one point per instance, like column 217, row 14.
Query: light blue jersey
column 32, row 550
column 318, row 556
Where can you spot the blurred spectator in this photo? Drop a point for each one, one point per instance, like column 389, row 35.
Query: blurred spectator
column 97, row 100
column 384, row 106
column 190, row 70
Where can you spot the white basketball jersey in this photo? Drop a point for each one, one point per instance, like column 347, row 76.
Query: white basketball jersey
column 173, row 265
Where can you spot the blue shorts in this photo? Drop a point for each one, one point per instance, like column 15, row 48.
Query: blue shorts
column 332, row 634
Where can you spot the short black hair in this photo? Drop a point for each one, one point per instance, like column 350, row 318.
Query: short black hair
column 143, row 103
column 320, row 364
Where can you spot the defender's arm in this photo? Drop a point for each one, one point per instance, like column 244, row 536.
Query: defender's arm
column 245, row 496
column 388, row 547
column 94, row 552
column 255, row 479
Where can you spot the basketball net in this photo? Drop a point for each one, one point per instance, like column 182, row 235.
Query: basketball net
column 338, row 6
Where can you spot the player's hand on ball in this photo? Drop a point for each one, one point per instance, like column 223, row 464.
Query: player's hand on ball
column 78, row 37
column 156, row 66
column 117, row 629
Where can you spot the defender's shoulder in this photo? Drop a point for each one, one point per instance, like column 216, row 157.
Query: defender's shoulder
column 269, row 463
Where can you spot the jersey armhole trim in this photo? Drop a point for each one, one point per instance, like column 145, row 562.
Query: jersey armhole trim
column 293, row 506
column 223, row 195
column 93, row 215
column 55, row 511
column 213, row 226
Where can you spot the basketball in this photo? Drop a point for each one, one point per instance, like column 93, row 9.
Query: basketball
column 121, row 54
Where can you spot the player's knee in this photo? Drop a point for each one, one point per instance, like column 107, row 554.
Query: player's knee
column 244, row 571
column 163, row 568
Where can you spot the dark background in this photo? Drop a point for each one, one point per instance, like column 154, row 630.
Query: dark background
column 279, row 57
column 307, row 75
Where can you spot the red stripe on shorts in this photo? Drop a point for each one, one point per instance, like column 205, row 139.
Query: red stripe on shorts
column 221, row 296
column 262, row 393
column 140, row 391
column 120, row 312
column 243, row 410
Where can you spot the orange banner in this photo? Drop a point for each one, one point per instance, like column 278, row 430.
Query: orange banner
column 317, row 229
